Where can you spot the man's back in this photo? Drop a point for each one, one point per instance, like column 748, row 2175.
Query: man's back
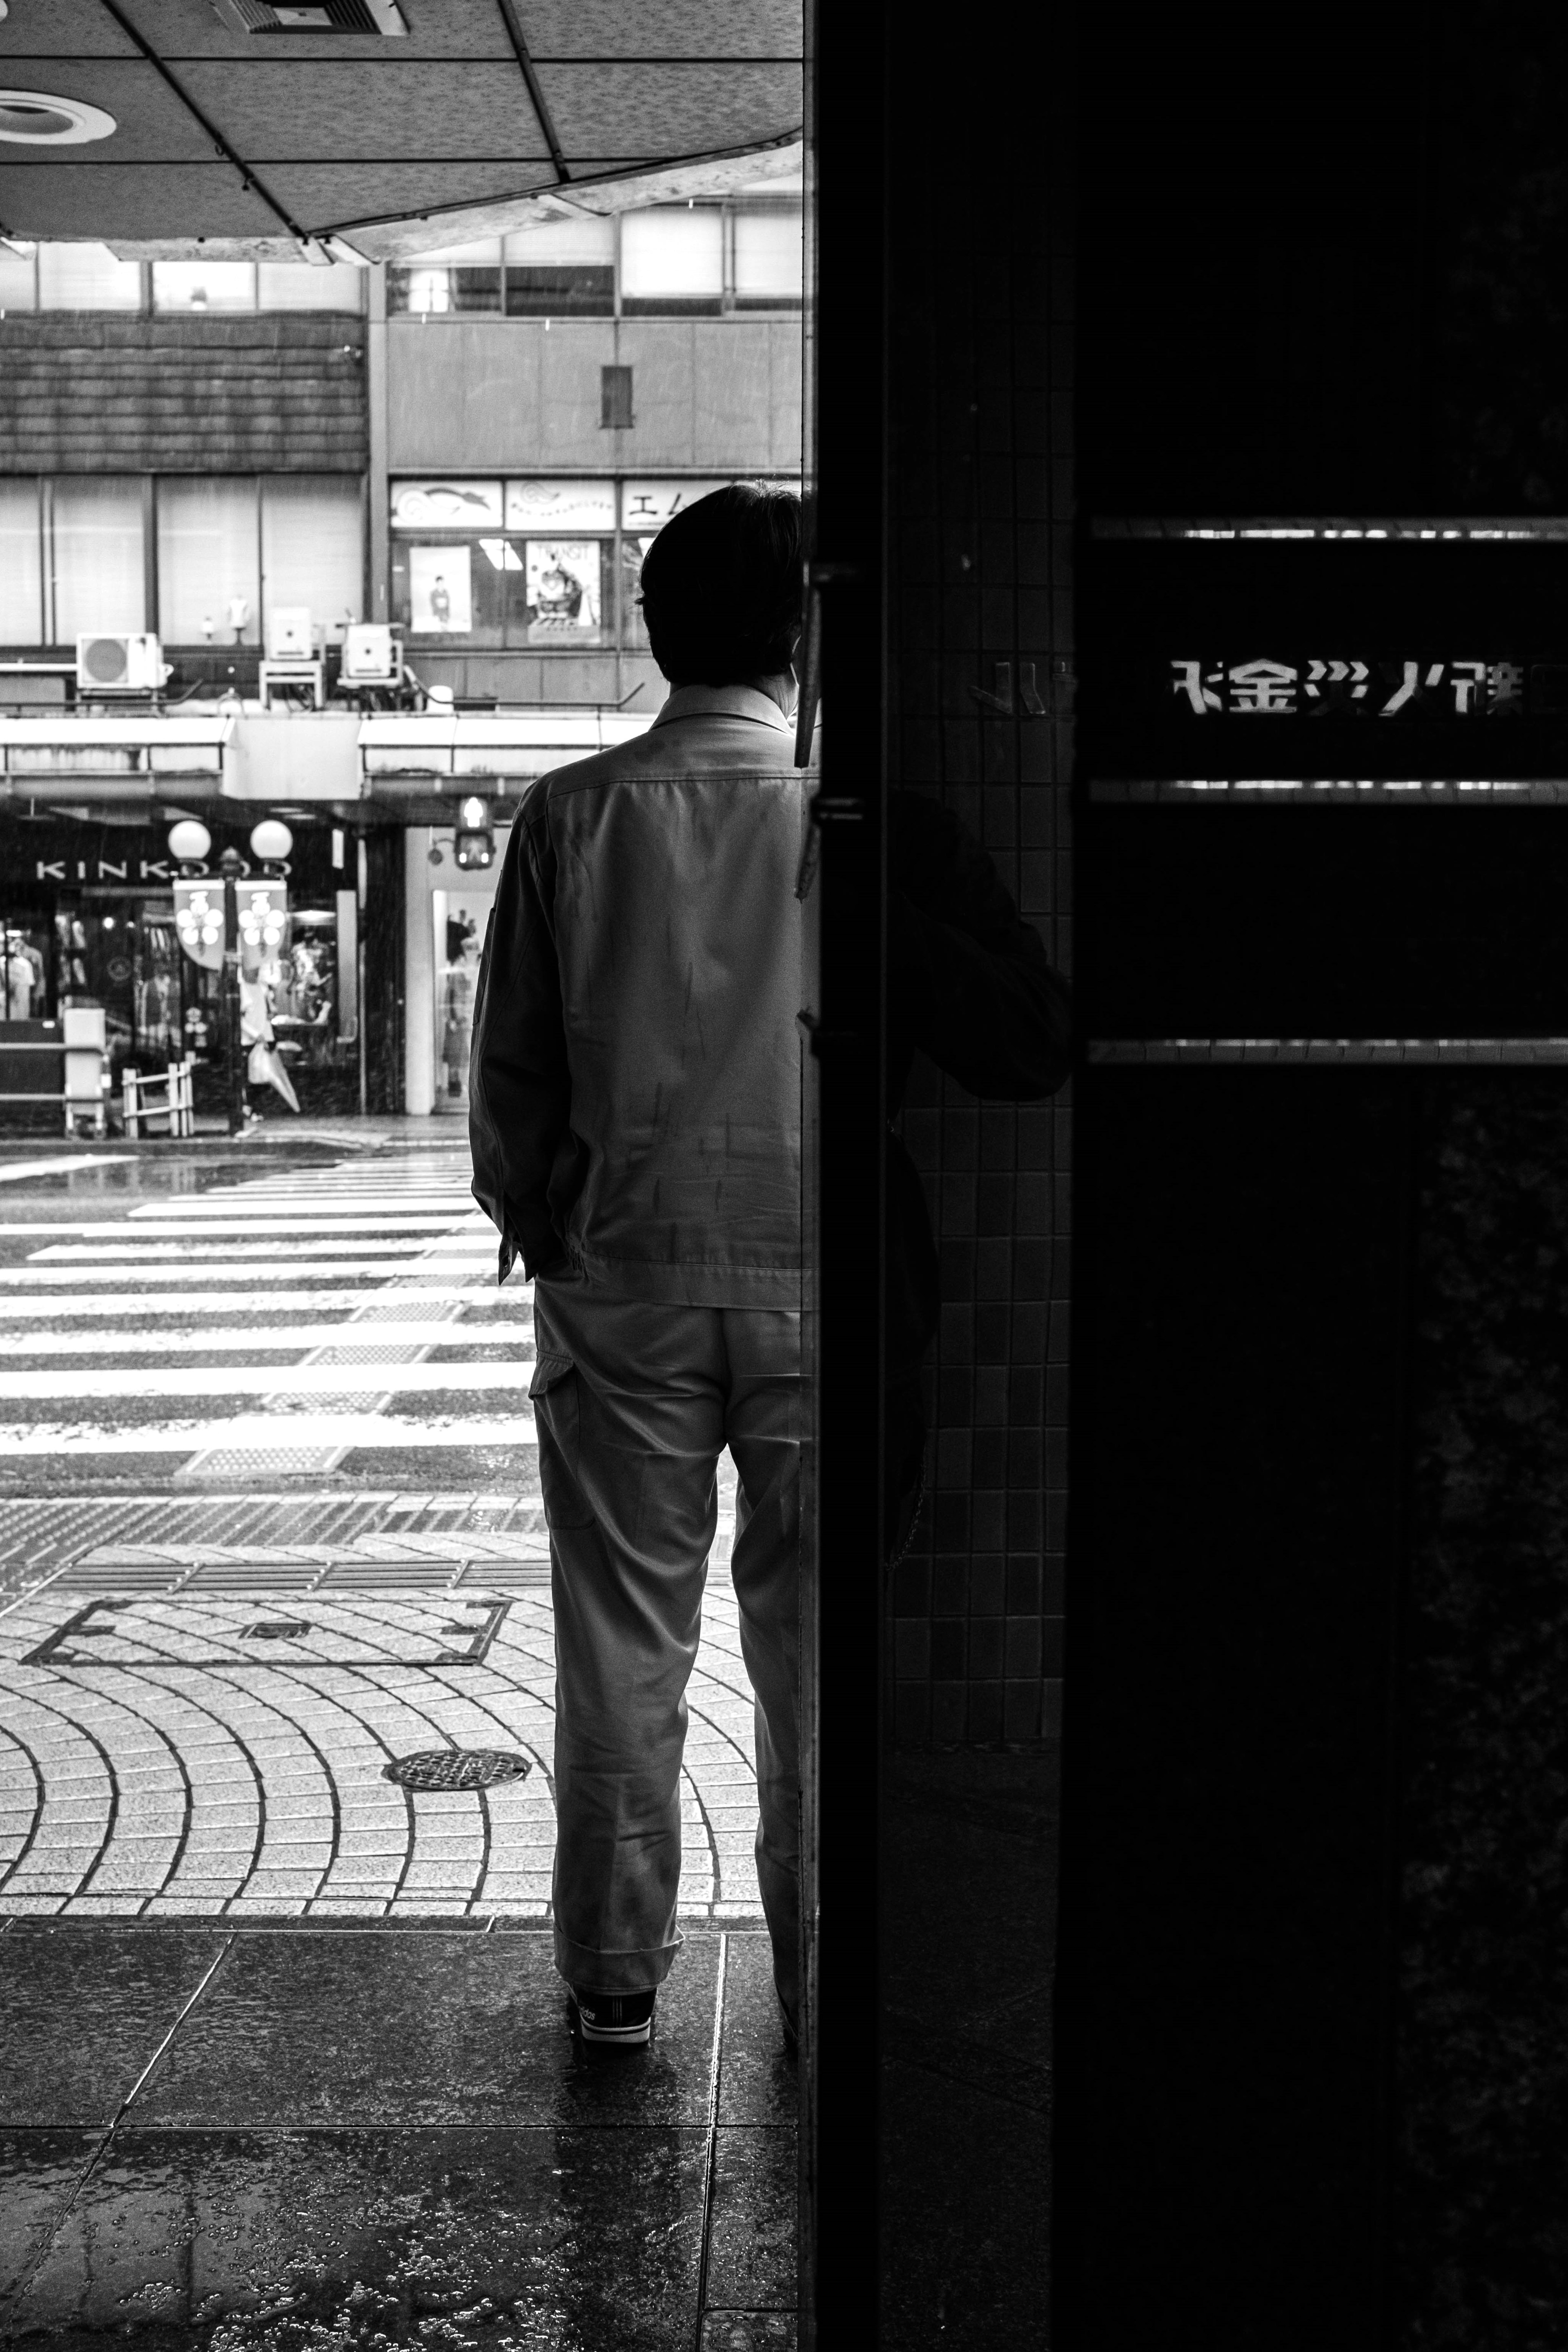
column 637, row 1060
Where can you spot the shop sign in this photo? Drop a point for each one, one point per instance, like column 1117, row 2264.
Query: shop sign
column 445, row 506
column 1407, row 687
column 647, row 507
column 198, row 919
column 100, row 869
column 560, row 507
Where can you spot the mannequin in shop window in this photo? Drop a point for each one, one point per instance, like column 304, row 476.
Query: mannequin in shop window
column 462, row 980
column 23, row 977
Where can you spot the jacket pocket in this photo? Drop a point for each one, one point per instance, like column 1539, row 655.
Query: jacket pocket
column 552, row 1391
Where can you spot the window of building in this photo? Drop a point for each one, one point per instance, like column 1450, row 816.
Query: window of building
column 672, row 259
column 228, row 549
column 300, row 285
column 21, row 565
column 18, row 281
column 312, row 548
column 209, row 560
column 91, row 277
column 562, row 269
column 87, row 278
column 97, row 550
column 529, row 562
column 202, row 286
column 455, row 279
column 231, row 548
column 534, row 567
column 767, row 258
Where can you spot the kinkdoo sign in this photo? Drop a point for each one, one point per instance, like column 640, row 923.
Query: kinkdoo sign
column 101, row 870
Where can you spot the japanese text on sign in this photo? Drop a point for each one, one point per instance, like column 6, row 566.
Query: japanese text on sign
column 1323, row 689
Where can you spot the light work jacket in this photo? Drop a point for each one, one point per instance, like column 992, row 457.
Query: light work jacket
column 635, row 1083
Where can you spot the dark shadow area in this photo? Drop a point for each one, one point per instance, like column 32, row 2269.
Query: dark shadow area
column 969, row 1935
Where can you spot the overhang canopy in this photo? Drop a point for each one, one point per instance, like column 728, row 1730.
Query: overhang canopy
column 484, row 115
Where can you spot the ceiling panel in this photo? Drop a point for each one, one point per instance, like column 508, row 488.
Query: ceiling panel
column 349, row 130
column 662, row 28
column 437, row 28
column 321, row 196
column 130, row 200
column 62, row 29
column 667, row 109
column 343, row 108
column 153, row 127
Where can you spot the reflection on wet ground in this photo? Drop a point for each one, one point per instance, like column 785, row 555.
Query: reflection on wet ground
column 282, row 2140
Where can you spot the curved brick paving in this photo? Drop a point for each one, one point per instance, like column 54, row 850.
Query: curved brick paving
column 163, row 1754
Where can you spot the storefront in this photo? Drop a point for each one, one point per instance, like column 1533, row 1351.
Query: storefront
column 86, row 903
column 370, row 997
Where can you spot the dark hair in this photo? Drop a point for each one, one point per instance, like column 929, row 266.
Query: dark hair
column 721, row 586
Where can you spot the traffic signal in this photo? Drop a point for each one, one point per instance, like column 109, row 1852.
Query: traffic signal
column 475, row 844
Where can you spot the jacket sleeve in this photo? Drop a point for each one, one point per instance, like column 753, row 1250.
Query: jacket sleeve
column 520, row 1090
column 968, row 981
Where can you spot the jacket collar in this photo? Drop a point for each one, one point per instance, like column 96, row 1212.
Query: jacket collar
column 723, row 701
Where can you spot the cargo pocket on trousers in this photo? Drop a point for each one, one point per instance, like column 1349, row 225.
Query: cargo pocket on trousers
column 553, row 1392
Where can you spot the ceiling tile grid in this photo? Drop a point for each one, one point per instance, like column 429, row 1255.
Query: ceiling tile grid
column 346, row 130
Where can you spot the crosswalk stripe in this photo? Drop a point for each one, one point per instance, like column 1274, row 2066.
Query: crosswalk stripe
column 255, row 1302
column 262, row 1380
column 106, row 1252
column 214, row 1339
column 394, row 1222
column 411, row 1247
column 264, row 1434
column 281, row 1269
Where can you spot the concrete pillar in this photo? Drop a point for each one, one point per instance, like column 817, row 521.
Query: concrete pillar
column 419, row 968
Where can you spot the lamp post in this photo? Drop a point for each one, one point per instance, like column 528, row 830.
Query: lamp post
column 231, row 865
column 263, row 926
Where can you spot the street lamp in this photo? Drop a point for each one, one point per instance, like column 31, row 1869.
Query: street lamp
column 215, row 934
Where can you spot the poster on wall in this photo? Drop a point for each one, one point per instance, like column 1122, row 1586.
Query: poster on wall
column 562, row 590
column 440, row 592
column 445, row 506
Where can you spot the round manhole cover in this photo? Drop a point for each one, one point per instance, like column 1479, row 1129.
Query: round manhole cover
column 455, row 1767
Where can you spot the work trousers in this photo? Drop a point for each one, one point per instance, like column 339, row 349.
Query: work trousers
column 632, row 1404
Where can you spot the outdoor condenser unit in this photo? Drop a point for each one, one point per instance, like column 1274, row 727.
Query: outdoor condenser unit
column 129, row 662
column 382, row 16
column 372, row 655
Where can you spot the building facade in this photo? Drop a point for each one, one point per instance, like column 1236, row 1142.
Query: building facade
column 475, row 445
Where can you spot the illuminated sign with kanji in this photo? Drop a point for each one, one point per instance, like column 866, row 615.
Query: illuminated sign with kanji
column 1336, row 687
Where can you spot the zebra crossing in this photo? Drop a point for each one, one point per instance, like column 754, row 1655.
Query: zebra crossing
column 160, row 1332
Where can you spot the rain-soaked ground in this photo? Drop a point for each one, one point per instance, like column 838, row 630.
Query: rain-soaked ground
column 287, row 2062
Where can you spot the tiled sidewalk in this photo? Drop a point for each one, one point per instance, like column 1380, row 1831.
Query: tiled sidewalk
column 318, row 2137
column 195, row 1728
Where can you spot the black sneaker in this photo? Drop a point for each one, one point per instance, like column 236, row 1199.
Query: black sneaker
column 625, row 2018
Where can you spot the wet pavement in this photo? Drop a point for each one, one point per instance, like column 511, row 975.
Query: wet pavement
column 288, row 2060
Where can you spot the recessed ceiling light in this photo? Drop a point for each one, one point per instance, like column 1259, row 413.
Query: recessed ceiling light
column 35, row 118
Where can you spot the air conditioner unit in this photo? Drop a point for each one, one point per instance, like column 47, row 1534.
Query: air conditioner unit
column 289, row 634
column 127, row 662
column 372, row 655
column 382, row 16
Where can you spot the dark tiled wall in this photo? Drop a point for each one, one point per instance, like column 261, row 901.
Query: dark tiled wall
column 92, row 393
column 982, row 575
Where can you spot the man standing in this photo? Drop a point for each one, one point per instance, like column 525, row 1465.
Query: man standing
column 636, row 1120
